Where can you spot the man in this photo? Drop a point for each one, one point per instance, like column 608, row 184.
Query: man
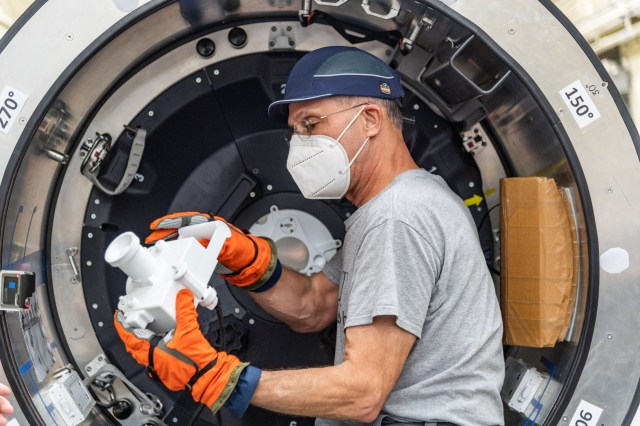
column 419, row 329
column 5, row 405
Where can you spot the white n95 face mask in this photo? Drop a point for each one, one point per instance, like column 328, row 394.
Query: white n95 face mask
column 320, row 166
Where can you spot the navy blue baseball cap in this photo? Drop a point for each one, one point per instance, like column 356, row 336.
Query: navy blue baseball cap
column 337, row 71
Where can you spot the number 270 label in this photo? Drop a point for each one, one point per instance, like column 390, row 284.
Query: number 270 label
column 587, row 414
column 580, row 103
column 11, row 102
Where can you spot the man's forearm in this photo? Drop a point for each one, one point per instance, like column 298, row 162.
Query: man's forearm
column 332, row 392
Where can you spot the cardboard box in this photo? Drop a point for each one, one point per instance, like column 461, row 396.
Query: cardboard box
column 537, row 262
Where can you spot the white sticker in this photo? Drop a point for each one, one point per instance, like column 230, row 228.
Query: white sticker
column 580, row 104
column 11, row 103
column 615, row 260
column 586, row 415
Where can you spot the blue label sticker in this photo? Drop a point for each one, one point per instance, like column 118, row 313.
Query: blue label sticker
column 12, row 284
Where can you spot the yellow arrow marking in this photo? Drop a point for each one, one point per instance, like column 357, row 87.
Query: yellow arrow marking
column 473, row 201
column 490, row 191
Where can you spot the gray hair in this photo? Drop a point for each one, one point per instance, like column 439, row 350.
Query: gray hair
column 391, row 106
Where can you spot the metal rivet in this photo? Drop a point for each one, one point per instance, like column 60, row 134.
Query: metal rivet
column 89, row 235
column 23, row 121
column 174, row 420
column 561, row 111
column 435, row 126
column 89, row 263
column 252, row 321
column 89, row 368
column 150, row 113
column 512, row 31
column 416, row 107
column 605, row 84
column 252, row 194
column 57, row 269
column 198, row 80
column 609, row 336
column 471, row 184
column 236, row 310
column 93, row 216
column 100, row 324
column 479, row 209
column 347, row 214
column 69, row 37
column 565, row 418
column 273, row 29
column 94, row 306
column 216, row 72
column 269, row 187
column 255, row 171
column 609, row 190
column 96, row 201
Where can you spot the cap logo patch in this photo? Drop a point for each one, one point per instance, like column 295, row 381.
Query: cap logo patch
column 385, row 89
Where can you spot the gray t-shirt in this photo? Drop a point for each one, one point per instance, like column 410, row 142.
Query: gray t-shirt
column 413, row 252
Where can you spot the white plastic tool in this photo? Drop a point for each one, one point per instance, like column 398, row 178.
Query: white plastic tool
column 157, row 274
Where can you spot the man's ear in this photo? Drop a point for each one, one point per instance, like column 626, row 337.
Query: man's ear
column 373, row 118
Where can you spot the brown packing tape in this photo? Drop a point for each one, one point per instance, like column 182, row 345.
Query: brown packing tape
column 537, row 262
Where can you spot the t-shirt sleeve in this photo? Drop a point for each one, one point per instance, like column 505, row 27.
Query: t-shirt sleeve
column 395, row 274
column 333, row 269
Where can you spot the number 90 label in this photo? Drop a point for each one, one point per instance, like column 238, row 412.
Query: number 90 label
column 587, row 414
column 11, row 102
column 580, row 104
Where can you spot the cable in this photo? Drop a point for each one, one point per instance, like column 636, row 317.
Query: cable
column 198, row 412
column 196, row 415
column 484, row 218
column 223, row 344
column 493, row 270
column 486, row 215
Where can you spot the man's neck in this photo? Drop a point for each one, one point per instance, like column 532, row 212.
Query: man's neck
column 380, row 169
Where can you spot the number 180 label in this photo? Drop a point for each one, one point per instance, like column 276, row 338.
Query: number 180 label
column 580, row 103
column 11, row 102
column 587, row 414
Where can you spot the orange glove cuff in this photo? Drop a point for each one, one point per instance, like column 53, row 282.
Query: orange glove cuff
column 259, row 271
column 216, row 385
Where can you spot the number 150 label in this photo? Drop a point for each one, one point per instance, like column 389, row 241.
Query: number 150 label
column 580, row 103
column 11, row 102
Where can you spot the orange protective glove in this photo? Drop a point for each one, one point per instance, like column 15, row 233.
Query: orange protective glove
column 183, row 358
column 251, row 261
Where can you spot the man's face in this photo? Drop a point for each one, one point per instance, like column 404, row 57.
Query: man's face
column 328, row 117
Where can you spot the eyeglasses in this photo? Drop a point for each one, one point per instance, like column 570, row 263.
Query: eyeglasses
column 306, row 126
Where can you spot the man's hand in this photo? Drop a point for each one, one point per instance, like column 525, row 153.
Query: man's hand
column 5, row 406
column 252, row 261
column 184, row 358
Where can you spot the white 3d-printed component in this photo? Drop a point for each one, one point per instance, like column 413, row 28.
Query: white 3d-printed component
column 158, row 273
